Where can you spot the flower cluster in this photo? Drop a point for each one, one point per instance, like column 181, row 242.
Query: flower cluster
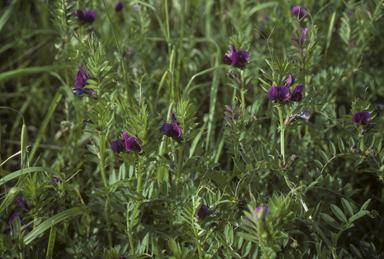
column 203, row 211
column 236, row 58
column 281, row 94
column 303, row 32
column 229, row 113
column 81, row 82
column 126, row 144
column 361, row 118
column 263, row 213
column 298, row 11
column 171, row 129
column 85, row 17
column 119, row 6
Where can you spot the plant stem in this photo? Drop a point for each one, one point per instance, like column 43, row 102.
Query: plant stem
column 282, row 129
column 102, row 168
column 179, row 164
column 242, row 93
column 362, row 144
column 138, row 188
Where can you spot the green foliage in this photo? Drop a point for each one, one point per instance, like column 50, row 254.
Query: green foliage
column 321, row 179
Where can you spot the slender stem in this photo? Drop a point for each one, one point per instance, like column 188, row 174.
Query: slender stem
column 265, row 253
column 180, row 48
column 362, row 144
column 138, row 188
column 242, row 93
column 282, row 129
column 179, row 164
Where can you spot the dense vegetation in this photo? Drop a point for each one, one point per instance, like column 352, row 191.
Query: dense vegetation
column 191, row 129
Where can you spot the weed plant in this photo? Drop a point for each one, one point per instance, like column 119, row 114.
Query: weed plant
column 191, row 129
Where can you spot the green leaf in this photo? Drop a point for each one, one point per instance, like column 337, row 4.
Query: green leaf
column 52, row 221
column 338, row 213
column 28, row 170
column 51, row 242
column 173, row 246
column 347, row 206
column 318, row 163
column 365, row 205
column 358, row 215
column 324, row 155
column 341, row 145
column 331, row 221
column 332, row 148
column 239, row 166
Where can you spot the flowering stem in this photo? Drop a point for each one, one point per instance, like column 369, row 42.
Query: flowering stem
column 179, row 163
column 242, row 93
column 282, row 129
column 102, row 168
column 362, row 144
column 138, row 188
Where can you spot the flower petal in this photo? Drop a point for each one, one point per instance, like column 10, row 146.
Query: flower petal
column 131, row 144
column 125, row 135
column 297, row 93
column 272, row 93
column 366, row 116
column 290, row 80
column 283, row 93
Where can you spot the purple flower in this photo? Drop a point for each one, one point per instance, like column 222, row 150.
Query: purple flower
column 350, row 14
column 361, row 118
column 123, row 257
column 278, row 94
column 119, row 6
column 290, row 80
column 203, row 211
column 85, row 17
column 303, row 32
column 172, row 117
column 171, row 130
column 136, row 8
column 81, row 82
column 13, row 217
column 118, row 145
column 297, row 93
column 20, row 202
column 57, row 180
column 229, row 116
column 236, row 58
column 265, row 213
column 131, row 144
column 126, row 144
column 266, row 17
column 297, row 11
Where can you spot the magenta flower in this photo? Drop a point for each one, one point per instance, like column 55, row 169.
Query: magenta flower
column 229, row 113
column 236, row 58
column 297, row 11
column 119, row 6
column 290, row 80
column 203, row 211
column 20, row 202
column 57, row 180
column 303, row 32
column 171, row 130
column 264, row 214
column 361, row 118
column 172, row 117
column 281, row 95
column 126, row 144
column 85, row 16
column 118, row 145
column 131, row 144
column 81, row 82
column 15, row 216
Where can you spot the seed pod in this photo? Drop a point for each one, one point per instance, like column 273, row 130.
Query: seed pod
column 24, row 139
